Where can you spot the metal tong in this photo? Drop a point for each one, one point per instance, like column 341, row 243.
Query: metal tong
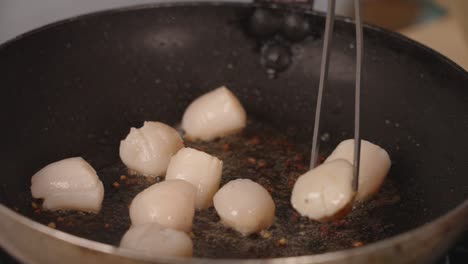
column 323, row 81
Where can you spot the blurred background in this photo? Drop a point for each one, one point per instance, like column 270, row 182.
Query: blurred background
column 439, row 24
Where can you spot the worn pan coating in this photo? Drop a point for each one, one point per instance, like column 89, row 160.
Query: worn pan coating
column 74, row 89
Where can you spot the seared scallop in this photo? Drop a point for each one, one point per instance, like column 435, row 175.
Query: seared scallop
column 157, row 241
column 245, row 206
column 69, row 184
column 147, row 150
column 200, row 169
column 325, row 192
column 374, row 166
column 168, row 203
column 214, row 114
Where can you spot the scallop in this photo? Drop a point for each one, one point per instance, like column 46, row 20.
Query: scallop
column 214, row 114
column 147, row 150
column 69, row 184
column 245, row 206
column 157, row 241
column 168, row 203
column 374, row 165
column 200, row 169
column 325, row 192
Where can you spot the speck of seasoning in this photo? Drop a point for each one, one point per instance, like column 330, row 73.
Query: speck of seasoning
column 60, row 219
column 261, row 163
column 255, row 141
column 52, row 225
column 123, row 177
column 150, row 180
column 269, row 188
column 116, row 185
column 291, row 182
column 300, row 166
column 324, row 231
column 298, row 157
column 226, row 147
column 251, row 160
column 282, row 242
column 321, row 159
column 106, row 226
column 358, row 244
column 265, row 234
column 302, row 233
column 294, row 217
column 192, row 235
column 34, row 205
column 37, row 211
column 339, row 223
column 132, row 172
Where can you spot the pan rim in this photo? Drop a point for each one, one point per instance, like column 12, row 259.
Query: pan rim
column 450, row 216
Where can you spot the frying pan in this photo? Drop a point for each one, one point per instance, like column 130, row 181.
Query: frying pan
column 75, row 87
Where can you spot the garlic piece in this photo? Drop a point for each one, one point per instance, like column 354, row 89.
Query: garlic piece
column 245, row 206
column 168, row 203
column 68, row 184
column 157, row 241
column 147, row 150
column 215, row 114
column 324, row 192
column 374, row 165
column 200, row 169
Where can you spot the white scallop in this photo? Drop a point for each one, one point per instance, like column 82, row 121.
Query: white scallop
column 200, row 169
column 215, row 114
column 245, row 206
column 147, row 150
column 157, row 241
column 168, row 203
column 374, row 166
column 324, row 191
column 68, row 184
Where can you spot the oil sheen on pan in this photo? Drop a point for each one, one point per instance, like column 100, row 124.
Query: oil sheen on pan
column 260, row 153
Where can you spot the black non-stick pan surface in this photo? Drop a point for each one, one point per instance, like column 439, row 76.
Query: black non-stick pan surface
column 76, row 87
